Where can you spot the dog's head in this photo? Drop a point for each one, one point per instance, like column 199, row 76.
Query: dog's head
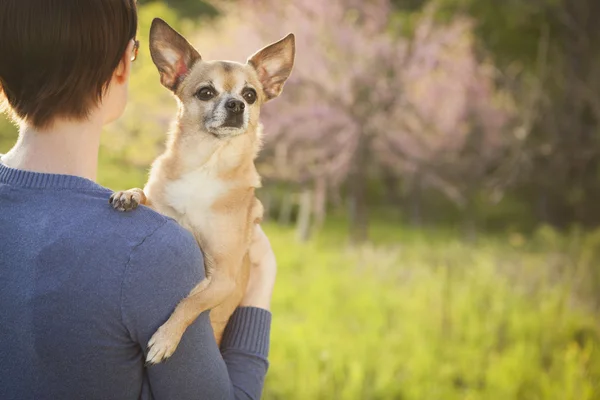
column 222, row 97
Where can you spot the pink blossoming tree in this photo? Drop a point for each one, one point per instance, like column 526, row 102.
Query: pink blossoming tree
column 365, row 102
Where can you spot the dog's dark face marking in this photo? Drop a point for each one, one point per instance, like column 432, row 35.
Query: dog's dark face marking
column 223, row 96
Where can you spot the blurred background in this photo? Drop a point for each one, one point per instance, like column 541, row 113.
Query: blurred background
column 432, row 187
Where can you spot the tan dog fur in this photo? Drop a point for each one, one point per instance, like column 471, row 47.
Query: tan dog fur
column 206, row 178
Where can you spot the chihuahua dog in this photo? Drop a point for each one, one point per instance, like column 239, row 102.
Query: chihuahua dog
column 206, row 177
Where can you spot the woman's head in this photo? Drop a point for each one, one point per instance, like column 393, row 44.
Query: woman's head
column 65, row 58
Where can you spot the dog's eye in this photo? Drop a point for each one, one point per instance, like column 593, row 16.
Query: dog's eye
column 206, row 93
column 250, row 96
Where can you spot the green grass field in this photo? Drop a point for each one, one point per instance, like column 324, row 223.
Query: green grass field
column 427, row 316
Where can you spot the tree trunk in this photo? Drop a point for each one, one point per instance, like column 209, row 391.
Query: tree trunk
column 470, row 218
column 542, row 207
column 303, row 223
column 266, row 202
column 414, row 200
column 392, row 187
column 359, row 218
column 285, row 214
column 320, row 202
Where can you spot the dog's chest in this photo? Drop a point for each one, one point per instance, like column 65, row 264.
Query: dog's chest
column 193, row 195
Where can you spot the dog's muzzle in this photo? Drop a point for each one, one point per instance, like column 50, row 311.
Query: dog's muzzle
column 235, row 114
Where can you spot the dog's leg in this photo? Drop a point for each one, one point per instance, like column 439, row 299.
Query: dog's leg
column 219, row 316
column 224, row 250
column 208, row 294
column 128, row 199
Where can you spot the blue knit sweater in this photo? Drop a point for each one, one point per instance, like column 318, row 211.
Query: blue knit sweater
column 83, row 288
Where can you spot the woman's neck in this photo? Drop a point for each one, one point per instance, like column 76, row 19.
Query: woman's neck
column 68, row 147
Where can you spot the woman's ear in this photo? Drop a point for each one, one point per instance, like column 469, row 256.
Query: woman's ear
column 123, row 71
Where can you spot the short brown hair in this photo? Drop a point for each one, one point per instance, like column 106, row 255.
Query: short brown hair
column 57, row 57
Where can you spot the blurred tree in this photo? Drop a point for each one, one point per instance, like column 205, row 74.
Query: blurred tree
column 361, row 101
column 408, row 5
column 549, row 51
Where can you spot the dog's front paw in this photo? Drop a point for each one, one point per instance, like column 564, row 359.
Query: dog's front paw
column 127, row 200
column 163, row 343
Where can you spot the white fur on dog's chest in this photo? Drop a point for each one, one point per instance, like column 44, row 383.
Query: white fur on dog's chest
column 194, row 193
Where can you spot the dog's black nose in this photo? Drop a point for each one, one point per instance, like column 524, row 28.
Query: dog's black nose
column 235, row 106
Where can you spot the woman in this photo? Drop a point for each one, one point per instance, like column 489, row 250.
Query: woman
column 82, row 287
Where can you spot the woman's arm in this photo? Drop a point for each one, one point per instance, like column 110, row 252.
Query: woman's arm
column 252, row 322
column 161, row 271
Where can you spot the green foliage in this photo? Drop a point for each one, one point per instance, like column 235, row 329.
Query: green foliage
column 427, row 317
column 408, row 5
column 8, row 134
column 510, row 29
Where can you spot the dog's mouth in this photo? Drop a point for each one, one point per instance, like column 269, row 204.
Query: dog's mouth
column 224, row 131
column 234, row 121
column 233, row 125
column 223, row 122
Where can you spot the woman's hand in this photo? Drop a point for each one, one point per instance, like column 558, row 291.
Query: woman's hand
column 263, row 270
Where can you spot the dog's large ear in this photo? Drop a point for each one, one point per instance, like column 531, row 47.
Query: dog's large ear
column 274, row 65
column 172, row 54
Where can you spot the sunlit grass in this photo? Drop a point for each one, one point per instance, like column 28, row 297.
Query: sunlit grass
column 425, row 318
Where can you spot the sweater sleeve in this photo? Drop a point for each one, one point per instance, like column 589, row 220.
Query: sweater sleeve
column 161, row 271
column 245, row 348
